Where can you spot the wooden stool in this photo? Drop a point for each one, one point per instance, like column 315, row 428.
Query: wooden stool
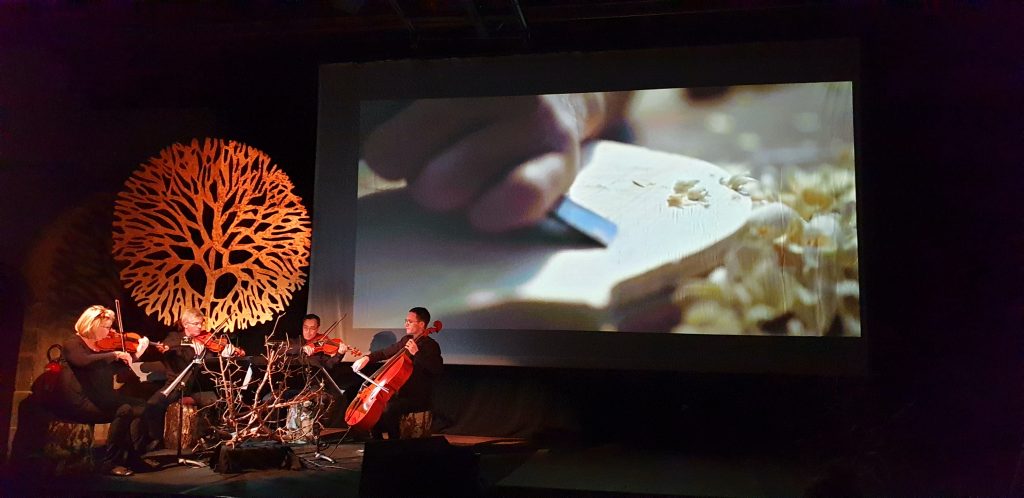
column 415, row 425
column 68, row 446
column 193, row 428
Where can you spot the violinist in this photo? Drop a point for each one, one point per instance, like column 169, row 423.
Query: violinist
column 417, row 393
column 320, row 349
column 87, row 395
column 182, row 346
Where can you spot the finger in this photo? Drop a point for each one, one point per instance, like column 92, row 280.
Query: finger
column 401, row 146
column 526, row 195
column 456, row 176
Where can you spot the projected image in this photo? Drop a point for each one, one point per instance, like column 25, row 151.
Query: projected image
column 725, row 210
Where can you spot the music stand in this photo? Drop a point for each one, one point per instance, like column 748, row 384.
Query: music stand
column 341, row 393
column 179, row 383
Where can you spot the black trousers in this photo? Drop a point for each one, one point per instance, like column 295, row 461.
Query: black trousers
column 128, row 435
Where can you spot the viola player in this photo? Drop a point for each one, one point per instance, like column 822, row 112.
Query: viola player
column 416, row 394
column 87, row 395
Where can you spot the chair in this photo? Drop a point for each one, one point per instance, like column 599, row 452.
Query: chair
column 415, row 425
column 68, row 447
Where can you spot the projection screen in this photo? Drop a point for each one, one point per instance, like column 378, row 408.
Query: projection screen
column 727, row 174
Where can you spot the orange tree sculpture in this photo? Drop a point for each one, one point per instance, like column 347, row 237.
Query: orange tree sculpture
column 215, row 226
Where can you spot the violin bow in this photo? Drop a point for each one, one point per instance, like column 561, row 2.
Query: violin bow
column 335, row 324
column 120, row 324
column 327, row 332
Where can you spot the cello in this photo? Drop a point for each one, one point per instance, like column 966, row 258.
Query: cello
column 367, row 407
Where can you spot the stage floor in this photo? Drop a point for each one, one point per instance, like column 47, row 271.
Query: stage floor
column 507, row 467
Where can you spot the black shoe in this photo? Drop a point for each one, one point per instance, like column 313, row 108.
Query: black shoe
column 121, row 471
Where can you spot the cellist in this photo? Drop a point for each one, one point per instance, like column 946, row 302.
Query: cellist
column 417, row 393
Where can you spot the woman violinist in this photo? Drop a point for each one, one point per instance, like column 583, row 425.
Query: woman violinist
column 417, row 393
column 87, row 395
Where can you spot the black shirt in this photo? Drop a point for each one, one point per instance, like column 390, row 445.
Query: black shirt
column 87, row 382
column 427, row 364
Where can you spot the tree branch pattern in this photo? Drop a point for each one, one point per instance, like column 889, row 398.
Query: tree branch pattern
column 213, row 226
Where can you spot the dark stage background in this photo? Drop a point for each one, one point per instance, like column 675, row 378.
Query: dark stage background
column 89, row 92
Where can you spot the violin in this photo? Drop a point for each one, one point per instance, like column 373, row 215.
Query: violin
column 367, row 407
column 217, row 344
column 326, row 345
column 127, row 342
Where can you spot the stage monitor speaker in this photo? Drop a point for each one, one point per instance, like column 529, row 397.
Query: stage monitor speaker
column 419, row 467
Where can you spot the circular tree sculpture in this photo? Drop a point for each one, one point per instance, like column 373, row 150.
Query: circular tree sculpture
column 213, row 226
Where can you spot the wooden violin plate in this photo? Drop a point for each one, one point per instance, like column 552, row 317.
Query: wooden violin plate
column 406, row 256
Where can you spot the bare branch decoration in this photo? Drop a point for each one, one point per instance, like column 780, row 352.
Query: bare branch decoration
column 256, row 413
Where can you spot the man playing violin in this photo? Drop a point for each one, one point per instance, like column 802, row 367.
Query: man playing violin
column 182, row 347
column 416, row 394
column 323, row 350
column 313, row 343
column 318, row 350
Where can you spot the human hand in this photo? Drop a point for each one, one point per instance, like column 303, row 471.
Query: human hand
column 505, row 161
column 412, row 347
column 123, row 356
column 360, row 363
column 308, row 350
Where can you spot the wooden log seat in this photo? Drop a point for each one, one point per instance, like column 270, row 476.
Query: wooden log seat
column 415, row 425
column 194, row 426
column 68, row 447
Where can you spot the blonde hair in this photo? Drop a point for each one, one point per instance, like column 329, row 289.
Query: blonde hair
column 90, row 316
column 189, row 312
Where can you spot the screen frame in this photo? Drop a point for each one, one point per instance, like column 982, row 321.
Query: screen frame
column 343, row 86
